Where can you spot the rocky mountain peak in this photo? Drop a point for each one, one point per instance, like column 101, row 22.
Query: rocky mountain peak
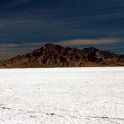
column 52, row 55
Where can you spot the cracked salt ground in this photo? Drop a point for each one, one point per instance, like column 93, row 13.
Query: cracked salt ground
column 64, row 96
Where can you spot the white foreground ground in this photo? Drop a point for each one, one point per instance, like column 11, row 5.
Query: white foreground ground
column 62, row 96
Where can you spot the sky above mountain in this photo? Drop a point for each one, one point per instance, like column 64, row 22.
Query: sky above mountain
column 28, row 24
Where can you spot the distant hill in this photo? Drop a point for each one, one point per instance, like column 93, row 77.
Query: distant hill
column 51, row 55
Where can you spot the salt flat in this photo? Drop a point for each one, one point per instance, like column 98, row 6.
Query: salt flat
column 62, row 96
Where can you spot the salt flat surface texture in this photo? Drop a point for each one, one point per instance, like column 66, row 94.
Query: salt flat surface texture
column 62, row 96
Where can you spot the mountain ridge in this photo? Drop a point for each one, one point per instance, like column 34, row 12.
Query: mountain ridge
column 51, row 55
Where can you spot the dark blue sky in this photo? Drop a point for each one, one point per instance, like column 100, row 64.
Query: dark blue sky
column 28, row 24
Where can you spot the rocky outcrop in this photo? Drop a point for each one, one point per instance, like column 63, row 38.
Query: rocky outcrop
column 51, row 55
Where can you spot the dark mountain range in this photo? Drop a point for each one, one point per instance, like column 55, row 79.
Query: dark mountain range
column 51, row 55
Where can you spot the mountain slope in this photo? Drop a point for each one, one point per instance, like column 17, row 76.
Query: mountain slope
column 51, row 55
